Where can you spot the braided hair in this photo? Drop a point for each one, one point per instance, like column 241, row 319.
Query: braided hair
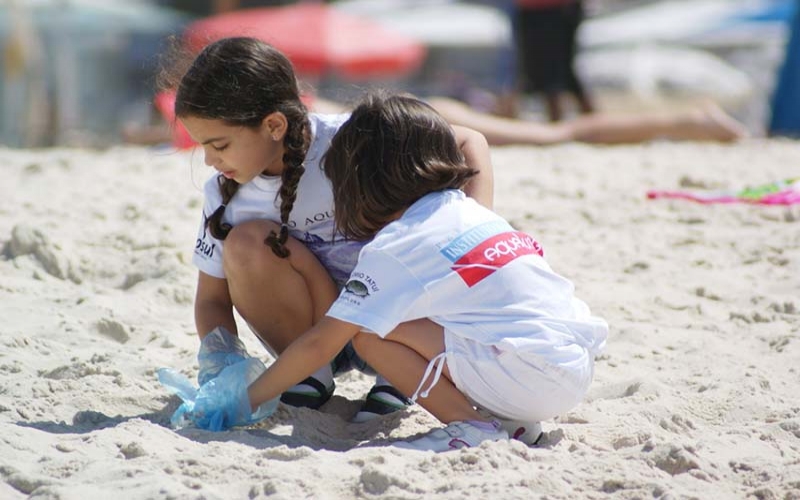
column 240, row 81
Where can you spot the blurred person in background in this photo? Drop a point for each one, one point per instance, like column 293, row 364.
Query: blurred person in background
column 706, row 123
column 544, row 35
column 542, row 57
column 500, row 125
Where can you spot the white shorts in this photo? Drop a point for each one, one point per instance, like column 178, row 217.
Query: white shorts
column 515, row 384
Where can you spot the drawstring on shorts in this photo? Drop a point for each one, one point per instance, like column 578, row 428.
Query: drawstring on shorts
column 436, row 363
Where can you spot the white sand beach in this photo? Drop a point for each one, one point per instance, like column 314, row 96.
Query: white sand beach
column 696, row 396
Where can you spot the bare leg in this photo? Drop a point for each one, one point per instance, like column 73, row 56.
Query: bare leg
column 554, row 109
column 576, row 87
column 499, row 131
column 507, row 105
column 585, row 105
column 709, row 123
column 279, row 298
column 402, row 358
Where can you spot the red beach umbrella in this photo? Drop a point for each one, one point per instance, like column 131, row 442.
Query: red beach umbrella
column 318, row 39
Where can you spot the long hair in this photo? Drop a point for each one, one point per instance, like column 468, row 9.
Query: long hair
column 240, row 81
column 393, row 150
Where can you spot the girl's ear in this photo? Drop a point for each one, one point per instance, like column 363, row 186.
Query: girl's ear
column 275, row 125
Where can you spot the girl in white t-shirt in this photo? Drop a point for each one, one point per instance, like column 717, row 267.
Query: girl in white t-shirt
column 447, row 301
column 270, row 200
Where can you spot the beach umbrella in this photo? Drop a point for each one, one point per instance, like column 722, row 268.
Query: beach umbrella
column 318, row 39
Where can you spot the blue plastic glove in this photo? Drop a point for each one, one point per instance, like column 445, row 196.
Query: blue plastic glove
column 218, row 349
column 220, row 403
column 223, row 402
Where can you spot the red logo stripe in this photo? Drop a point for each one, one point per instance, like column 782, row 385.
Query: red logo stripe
column 493, row 254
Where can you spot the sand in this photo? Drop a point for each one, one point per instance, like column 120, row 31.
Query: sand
column 697, row 394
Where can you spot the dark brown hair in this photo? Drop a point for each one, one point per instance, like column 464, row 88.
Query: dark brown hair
column 393, row 150
column 240, row 81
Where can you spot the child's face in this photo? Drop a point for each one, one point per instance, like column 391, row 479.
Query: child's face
column 239, row 153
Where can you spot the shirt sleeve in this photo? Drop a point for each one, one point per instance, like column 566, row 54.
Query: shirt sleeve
column 379, row 293
column 207, row 255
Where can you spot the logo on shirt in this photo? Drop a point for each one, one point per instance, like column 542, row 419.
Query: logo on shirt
column 360, row 285
column 201, row 246
column 486, row 248
column 204, row 249
column 357, row 288
column 319, row 217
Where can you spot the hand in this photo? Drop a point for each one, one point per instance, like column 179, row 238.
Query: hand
column 223, row 402
column 218, row 349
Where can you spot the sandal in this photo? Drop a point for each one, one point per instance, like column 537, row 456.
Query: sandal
column 309, row 399
column 381, row 400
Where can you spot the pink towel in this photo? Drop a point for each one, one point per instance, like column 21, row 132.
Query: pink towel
column 786, row 192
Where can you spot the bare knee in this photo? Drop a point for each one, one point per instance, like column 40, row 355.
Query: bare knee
column 244, row 246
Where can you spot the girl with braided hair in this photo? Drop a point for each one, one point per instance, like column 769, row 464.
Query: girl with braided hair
column 267, row 246
column 448, row 301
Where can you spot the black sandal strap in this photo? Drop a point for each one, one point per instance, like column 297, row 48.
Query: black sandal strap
column 313, row 401
column 388, row 389
column 316, row 384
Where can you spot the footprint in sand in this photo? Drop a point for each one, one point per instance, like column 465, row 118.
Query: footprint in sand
column 624, row 390
column 26, row 240
column 113, row 329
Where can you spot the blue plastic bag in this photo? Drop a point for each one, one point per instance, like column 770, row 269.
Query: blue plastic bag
column 222, row 402
column 218, row 349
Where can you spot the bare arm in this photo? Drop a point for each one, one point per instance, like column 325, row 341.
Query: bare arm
column 477, row 155
column 212, row 305
column 302, row 358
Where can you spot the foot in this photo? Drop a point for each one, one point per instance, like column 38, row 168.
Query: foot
column 381, row 400
column 712, row 123
column 455, row 436
column 310, row 393
column 527, row 431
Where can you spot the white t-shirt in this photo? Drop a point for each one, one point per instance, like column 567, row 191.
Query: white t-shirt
column 311, row 219
column 464, row 267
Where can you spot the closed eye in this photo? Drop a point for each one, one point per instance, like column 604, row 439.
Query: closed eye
column 220, row 148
